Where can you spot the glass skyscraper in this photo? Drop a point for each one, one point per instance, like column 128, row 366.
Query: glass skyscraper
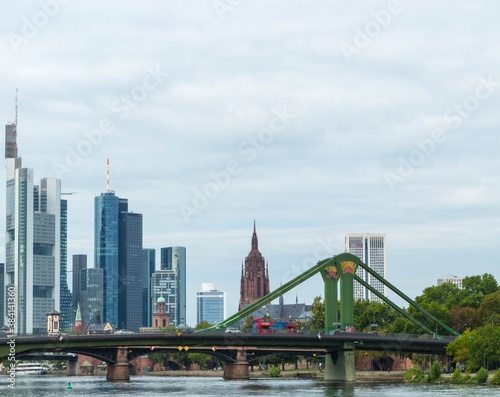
column 34, row 234
column 130, row 271
column 210, row 304
column 118, row 252
column 91, row 295
column 174, row 259
column 106, row 252
column 370, row 248
column 66, row 298
column 148, row 268
column 79, row 263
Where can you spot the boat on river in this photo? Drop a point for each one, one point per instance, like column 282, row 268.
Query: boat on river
column 30, row 369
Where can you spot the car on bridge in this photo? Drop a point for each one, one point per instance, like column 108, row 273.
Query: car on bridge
column 123, row 332
column 232, row 330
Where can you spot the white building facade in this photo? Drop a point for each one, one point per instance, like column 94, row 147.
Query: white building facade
column 370, row 248
column 32, row 245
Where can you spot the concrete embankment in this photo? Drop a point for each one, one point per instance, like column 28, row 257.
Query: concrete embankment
column 368, row 376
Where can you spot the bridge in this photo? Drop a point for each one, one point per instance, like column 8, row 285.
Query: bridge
column 238, row 350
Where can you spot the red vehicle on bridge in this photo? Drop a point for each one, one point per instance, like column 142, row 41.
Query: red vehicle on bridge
column 268, row 326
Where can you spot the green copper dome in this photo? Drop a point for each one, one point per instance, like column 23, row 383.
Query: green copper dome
column 161, row 299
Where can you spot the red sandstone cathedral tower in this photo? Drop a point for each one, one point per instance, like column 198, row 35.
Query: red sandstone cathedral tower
column 254, row 275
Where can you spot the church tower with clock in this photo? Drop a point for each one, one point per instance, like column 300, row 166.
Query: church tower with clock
column 254, row 275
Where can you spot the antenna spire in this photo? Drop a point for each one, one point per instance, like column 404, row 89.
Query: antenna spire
column 15, row 121
column 107, row 175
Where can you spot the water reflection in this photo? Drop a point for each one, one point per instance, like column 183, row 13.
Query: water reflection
column 344, row 389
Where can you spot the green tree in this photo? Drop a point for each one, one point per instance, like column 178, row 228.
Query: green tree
column 482, row 375
column 160, row 358
column 317, row 321
column 495, row 379
column 475, row 288
column 182, row 358
column 463, row 318
column 445, row 295
column 476, row 347
column 247, row 325
column 371, row 316
column 461, row 346
column 200, row 359
column 275, row 372
column 435, row 372
column 203, row 325
column 489, row 309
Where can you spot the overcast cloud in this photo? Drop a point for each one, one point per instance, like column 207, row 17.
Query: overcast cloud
column 316, row 119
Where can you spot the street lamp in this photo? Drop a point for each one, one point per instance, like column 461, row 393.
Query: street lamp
column 484, row 360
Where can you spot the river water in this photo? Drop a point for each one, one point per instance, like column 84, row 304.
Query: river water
column 45, row 386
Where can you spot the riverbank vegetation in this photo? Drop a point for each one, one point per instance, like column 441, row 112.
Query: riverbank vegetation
column 416, row 375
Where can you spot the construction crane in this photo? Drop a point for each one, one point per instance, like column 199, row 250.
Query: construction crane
column 68, row 193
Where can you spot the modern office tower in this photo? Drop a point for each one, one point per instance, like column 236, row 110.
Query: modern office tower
column 91, row 295
column 106, row 252
column 451, row 279
column 66, row 298
column 148, row 268
column 254, row 275
column 370, row 248
column 33, row 241
column 174, row 258
column 210, row 304
column 118, row 252
column 130, row 271
column 165, row 283
column 79, row 263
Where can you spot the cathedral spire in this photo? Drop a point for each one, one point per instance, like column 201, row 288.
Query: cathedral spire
column 255, row 243
column 254, row 277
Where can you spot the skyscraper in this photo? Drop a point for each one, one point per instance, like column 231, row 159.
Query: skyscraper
column 91, row 295
column 79, row 263
column 165, row 283
column 370, row 248
column 130, row 271
column 33, row 241
column 174, row 259
column 148, row 268
column 118, row 252
column 254, row 275
column 66, row 298
column 106, row 252
column 210, row 304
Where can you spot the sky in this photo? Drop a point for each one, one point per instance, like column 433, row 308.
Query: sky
column 315, row 119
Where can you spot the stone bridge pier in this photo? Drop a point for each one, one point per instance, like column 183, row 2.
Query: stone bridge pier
column 339, row 365
column 239, row 369
column 72, row 369
column 119, row 372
